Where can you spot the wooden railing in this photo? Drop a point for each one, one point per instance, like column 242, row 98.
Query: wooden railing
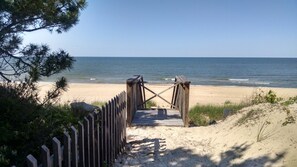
column 99, row 139
column 180, row 98
column 135, row 96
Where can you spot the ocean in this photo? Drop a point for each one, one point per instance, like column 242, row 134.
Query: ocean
column 264, row 72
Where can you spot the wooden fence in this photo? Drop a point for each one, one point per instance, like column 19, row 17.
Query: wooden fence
column 135, row 96
column 99, row 139
column 180, row 98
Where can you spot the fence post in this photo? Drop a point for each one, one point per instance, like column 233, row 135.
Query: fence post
column 81, row 142
column 130, row 101
column 45, row 156
column 74, row 144
column 186, row 101
column 31, row 161
column 87, row 141
column 67, row 150
column 57, row 152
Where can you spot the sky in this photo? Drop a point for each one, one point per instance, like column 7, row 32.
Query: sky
column 179, row 28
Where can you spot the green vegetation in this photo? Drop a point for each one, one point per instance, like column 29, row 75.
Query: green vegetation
column 261, row 97
column 28, row 121
column 26, row 124
column 202, row 115
column 149, row 104
column 290, row 101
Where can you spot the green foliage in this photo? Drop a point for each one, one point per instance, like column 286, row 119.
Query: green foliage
column 34, row 61
column 261, row 97
column 149, row 104
column 27, row 121
column 290, row 101
column 201, row 115
column 25, row 124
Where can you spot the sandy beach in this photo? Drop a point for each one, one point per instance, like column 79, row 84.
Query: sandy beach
column 223, row 144
column 198, row 93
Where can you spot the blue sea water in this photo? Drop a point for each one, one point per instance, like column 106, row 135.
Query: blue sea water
column 268, row 72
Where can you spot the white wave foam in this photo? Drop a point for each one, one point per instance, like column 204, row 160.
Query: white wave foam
column 169, row 79
column 238, row 80
column 92, row 79
column 262, row 83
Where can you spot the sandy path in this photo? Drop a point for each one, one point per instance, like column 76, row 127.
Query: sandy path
column 223, row 144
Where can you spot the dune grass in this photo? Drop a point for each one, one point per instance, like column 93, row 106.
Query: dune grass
column 149, row 104
column 203, row 115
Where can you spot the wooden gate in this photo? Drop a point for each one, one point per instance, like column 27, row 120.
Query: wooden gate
column 136, row 97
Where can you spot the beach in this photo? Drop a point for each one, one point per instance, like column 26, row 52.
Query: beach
column 202, row 94
column 226, row 143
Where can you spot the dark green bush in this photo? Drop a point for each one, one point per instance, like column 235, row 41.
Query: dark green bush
column 25, row 124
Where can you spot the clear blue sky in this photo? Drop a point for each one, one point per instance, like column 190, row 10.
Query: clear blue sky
column 183, row 28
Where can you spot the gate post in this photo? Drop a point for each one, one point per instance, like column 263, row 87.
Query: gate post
column 186, row 103
column 130, row 105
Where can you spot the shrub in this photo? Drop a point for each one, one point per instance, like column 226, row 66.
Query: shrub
column 25, row 124
column 261, row 97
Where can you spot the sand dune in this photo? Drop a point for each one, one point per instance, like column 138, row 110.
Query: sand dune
column 223, row 144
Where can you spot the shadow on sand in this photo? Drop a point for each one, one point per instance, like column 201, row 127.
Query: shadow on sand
column 153, row 152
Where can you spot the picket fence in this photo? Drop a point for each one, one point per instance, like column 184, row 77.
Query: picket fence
column 97, row 141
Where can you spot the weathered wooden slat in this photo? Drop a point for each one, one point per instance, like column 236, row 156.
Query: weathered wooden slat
column 92, row 139
column 121, row 127
column 31, row 161
column 123, row 121
column 74, row 149
column 87, row 142
column 57, row 152
column 108, row 132
column 67, row 150
column 97, row 137
column 81, row 142
column 102, row 137
column 113, row 129
column 45, row 156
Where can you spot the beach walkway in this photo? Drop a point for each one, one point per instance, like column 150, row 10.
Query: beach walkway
column 155, row 117
column 139, row 115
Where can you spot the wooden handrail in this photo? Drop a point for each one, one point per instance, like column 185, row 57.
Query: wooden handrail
column 135, row 96
column 180, row 98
